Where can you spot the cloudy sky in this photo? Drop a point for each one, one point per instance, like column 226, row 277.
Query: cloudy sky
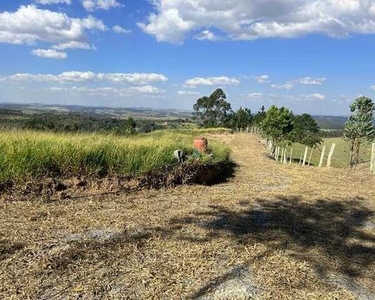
column 313, row 56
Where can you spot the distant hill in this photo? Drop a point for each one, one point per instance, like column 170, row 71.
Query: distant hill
column 135, row 112
column 324, row 122
column 330, row 122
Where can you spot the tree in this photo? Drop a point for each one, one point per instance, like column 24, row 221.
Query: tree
column 359, row 128
column 212, row 111
column 306, row 130
column 241, row 119
column 259, row 117
column 278, row 124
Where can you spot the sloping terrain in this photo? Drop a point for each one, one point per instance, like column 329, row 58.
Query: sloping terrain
column 271, row 232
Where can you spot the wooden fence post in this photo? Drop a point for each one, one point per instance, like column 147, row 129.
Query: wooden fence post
column 372, row 162
column 277, row 154
column 311, row 153
column 322, row 157
column 300, row 159
column 291, row 156
column 329, row 161
column 305, row 156
column 284, row 157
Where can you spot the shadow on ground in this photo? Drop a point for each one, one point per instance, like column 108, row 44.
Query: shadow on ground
column 336, row 229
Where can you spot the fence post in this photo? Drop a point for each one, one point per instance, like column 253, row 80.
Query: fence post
column 300, row 159
column 322, row 157
column 311, row 153
column 372, row 162
column 277, row 154
column 305, row 156
column 329, row 161
column 285, row 155
column 291, row 156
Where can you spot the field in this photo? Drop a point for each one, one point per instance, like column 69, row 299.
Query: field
column 27, row 155
column 271, row 232
column 340, row 157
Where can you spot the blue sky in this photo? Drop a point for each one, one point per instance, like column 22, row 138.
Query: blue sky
column 313, row 56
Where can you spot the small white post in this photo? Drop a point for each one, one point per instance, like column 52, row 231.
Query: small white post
column 305, row 156
column 322, row 157
column 329, row 161
column 300, row 159
column 282, row 155
column 285, row 155
column 291, row 156
column 372, row 162
column 277, row 154
column 311, row 153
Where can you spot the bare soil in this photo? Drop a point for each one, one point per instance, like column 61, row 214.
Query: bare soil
column 271, row 232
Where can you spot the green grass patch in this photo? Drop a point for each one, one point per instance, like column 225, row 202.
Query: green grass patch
column 340, row 157
column 28, row 155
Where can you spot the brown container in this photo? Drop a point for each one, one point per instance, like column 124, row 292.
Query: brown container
column 201, row 144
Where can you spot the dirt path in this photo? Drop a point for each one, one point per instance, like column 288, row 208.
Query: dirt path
column 271, row 232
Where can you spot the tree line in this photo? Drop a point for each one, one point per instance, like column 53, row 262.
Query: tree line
column 279, row 124
column 74, row 123
column 283, row 128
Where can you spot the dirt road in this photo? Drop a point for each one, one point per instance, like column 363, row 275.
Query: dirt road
column 271, row 232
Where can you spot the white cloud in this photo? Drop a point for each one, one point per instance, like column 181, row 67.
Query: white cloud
column 29, row 25
column 188, row 93
column 372, row 88
column 254, row 96
column 75, row 76
column 173, row 20
column 105, row 91
column 262, row 78
column 290, row 84
column 293, row 98
column 147, row 89
column 49, row 53
column 310, row 81
column 315, row 96
column 74, row 45
column 286, row 86
column 91, row 5
column 119, row 29
column 207, row 35
column 45, row 2
column 208, row 81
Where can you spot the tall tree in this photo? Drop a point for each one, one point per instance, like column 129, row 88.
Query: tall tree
column 212, row 111
column 259, row 117
column 306, row 130
column 360, row 127
column 278, row 124
column 241, row 119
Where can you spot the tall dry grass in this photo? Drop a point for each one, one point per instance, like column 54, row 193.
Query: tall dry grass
column 27, row 155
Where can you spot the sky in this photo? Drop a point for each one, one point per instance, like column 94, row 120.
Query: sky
column 313, row 56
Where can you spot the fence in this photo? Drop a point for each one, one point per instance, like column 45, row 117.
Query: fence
column 284, row 155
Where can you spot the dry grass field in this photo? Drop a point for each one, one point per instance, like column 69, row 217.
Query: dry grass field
column 270, row 232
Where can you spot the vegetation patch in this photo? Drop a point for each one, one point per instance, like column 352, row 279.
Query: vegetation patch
column 34, row 157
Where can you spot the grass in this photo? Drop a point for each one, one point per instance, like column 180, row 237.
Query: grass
column 340, row 157
column 27, row 155
column 293, row 232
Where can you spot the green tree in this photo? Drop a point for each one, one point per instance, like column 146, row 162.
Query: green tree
column 306, row 130
column 359, row 128
column 212, row 111
column 241, row 119
column 259, row 117
column 278, row 124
